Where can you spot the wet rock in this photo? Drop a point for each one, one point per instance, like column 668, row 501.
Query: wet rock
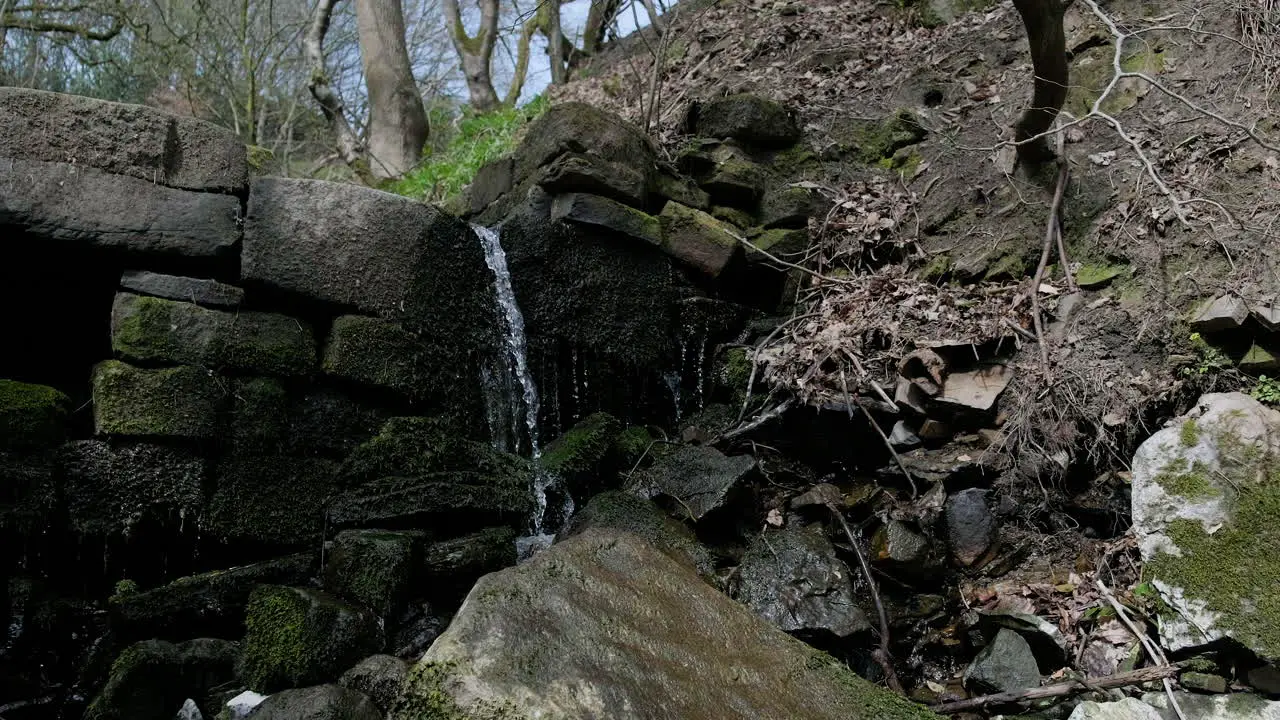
column 380, row 354
column 749, row 118
column 152, row 678
column 786, row 207
column 1045, row 639
column 72, row 203
column 201, row 291
column 112, row 486
column 1237, row 706
column 1004, row 665
column 601, row 212
column 1126, row 709
column 31, row 416
column 154, row 330
column 1203, row 682
column 140, row 142
column 321, row 702
column 331, row 423
column 296, row 637
column 605, row 600
column 379, row 677
column 259, row 415
column 793, row 579
column 971, row 529
column 700, row 479
column 899, row 543
column 1226, row 312
column 277, row 500
column 455, row 564
column 616, row 510
column 211, row 603
column 697, row 239
column 374, row 568
column 582, row 173
column 239, row 706
column 1204, row 498
column 179, row 402
column 580, row 457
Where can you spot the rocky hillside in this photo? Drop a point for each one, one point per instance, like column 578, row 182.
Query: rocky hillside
column 770, row 387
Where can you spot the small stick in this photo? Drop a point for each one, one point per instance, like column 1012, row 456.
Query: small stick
column 1071, row 687
column 1152, row 649
column 756, row 422
column 1049, row 233
column 853, row 399
column 881, row 655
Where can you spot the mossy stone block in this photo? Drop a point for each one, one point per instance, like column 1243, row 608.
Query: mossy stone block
column 1095, row 275
column 631, row 445
column 737, row 182
column 31, row 416
column 179, row 402
column 153, row 677
column 276, row 500
column 781, row 243
column 374, row 568
column 296, row 637
column 259, row 414
column 749, row 118
column 697, row 239
column 155, row 330
column 111, row 486
column 786, row 207
column 581, row 455
column 378, row 353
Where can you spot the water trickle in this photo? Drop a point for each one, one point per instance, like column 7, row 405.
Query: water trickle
column 673, row 384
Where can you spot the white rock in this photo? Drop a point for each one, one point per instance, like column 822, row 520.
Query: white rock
column 1237, row 706
column 241, row 705
column 1126, row 709
column 189, row 711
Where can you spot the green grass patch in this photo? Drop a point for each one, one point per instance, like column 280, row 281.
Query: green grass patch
column 477, row 140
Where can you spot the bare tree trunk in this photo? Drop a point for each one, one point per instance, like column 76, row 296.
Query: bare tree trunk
column 349, row 148
column 521, row 69
column 555, row 44
column 397, row 119
column 654, row 18
column 1045, row 35
column 476, row 53
column 599, row 16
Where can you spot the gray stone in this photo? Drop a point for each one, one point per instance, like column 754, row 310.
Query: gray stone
column 239, row 707
column 201, row 291
column 379, row 677
column 374, row 568
column 1006, row 664
column 189, row 711
column 459, row 561
column 601, row 212
column 76, row 204
column 1126, row 709
column 786, row 207
column 330, row 423
column 737, row 182
column 617, row 510
column 1259, row 360
column 621, row 629
column 699, row 479
column 793, row 579
column 259, row 415
column 375, row 352
column 1265, row 678
column 1267, row 314
column 156, row 330
column 134, row 140
column 580, row 128
column 898, row 543
column 672, row 186
column 272, row 499
column 971, row 529
column 582, row 173
column 491, row 182
column 1203, row 682
column 748, row 118
column 697, row 239
column 152, row 678
column 180, row 402
column 1226, row 312
column 1236, row 706
column 296, row 637
column 1203, row 493
column 112, row 486
column 320, row 702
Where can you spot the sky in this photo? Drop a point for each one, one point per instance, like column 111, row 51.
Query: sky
column 573, row 16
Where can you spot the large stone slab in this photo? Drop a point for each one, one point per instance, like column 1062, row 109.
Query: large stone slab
column 178, row 402
column 155, row 330
column 582, row 128
column 72, row 203
column 697, row 239
column 699, row 479
column 134, row 140
column 1206, row 491
column 370, row 351
column 600, row 212
column 623, row 630
column 201, row 291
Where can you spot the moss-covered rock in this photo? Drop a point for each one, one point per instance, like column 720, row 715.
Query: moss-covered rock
column 672, row 186
column 732, row 373
column 150, row 679
column 737, row 182
column 156, row 330
column 181, row 402
column 454, row 565
column 603, row 213
column 573, row 126
column 110, row 487
column 617, row 510
column 780, row 243
column 752, row 119
column 581, row 456
column 872, row 142
column 31, row 416
column 327, row 422
column 697, row 239
column 320, row 702
column 583, row 173
column 1097, row 275
column 296, row 637
column 259, row 414
column 272, row 499
column 733, row 216
column 631, row 445
column 787, row 207
column 379, row 677
column 378, row 353
column 374, row 568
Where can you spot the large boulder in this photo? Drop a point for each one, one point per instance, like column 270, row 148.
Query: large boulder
column 133, row 140
column 154, row 330
column 620, row 626
column 793, row 579
column 1206, row 491
column 152, row 678
column 619, row 511
column 697, row 239
column 75, row 204
column 320, row 702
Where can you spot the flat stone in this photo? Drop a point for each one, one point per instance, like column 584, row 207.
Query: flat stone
column 320, row 702
column 606, row 602
column 156, row 330
column 201, row 291
column 696, row 239
column 978, row 389
column 379, row 677
column 111, row 486
column 178, row 402
column 583, row 173
column 1267, row 315
column 455, row 564
column 781, row 243
column 601, row 212
column 1227, row 312
column 793, row 579
column 699, row 479
column 1126, row 709
column 374, row 568
column 76, row 204
column 132, row 140
column 1006, row 664
column 296, row 636
column 750, row 118
column 971, row 529
column 378, row 353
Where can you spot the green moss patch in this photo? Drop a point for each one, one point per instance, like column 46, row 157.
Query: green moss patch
column 171, row 402
column 876, row 143
column 31, row 415
column 1093, row 275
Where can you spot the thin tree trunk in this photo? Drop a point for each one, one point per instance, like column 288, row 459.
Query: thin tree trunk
column 1047, row 39
column 475, row 53
column 599, row 15
column 654, row 18
column 397, row 119
column 349, row 148
column 555, row 44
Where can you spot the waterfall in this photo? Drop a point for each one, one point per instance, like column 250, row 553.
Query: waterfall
column 511, row 395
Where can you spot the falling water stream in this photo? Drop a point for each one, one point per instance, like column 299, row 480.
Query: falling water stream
column 520, row 407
